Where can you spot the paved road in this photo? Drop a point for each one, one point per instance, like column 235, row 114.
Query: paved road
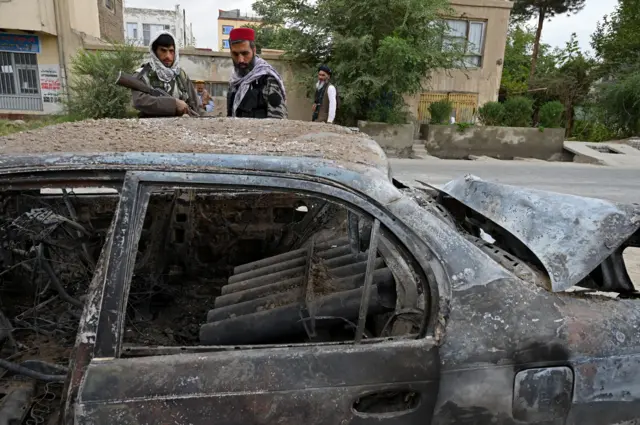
column 613, row 183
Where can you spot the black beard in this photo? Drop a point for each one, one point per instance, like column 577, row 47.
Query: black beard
column 242, row 71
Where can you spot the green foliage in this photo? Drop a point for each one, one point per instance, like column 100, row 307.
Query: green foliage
column 440, row 111
column 551, row 114
column 617, row 38
column 93, row 92
column 518, row 112
column 526, row 9
column 379, row 51
column 463, row 126
column 517, row 60
column 620, row 103
column 491, row 113
column 592, row 131
column 269, row 37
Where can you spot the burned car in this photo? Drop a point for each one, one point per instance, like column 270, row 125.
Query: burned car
column 273, row 272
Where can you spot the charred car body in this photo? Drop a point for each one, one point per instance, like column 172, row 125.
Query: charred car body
column 302, row 284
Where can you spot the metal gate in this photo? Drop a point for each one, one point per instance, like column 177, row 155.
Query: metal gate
column 465, row 105
column 19, row 82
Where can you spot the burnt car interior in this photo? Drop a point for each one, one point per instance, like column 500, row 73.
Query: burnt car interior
column 215, row 267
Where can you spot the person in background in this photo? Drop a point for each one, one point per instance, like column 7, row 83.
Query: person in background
column 256, row 90
column 163, row 72
column 326, row 98
column 205, row 101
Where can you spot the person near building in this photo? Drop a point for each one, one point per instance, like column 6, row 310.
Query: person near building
column 325, row 104
column 256, row 90
column 163, row 72
column 205, row 101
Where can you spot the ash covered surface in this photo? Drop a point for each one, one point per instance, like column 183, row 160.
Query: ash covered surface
column 206, row 135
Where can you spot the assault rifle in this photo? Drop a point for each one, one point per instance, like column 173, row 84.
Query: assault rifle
column 133, row 83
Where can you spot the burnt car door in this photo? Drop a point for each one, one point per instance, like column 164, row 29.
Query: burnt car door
column 235, row 374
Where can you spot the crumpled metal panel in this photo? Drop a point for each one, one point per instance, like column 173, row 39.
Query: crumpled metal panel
column 570, row 235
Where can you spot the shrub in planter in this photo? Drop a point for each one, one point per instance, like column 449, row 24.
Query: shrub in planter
column 551, row 114
column 440, row 112
column 518, row 111
column 491, row 113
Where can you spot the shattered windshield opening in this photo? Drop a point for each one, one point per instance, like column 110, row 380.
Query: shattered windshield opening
column 51, row 239
column 245, row 267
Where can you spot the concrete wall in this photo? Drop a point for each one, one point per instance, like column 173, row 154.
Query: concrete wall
column 485, row 81
column 216, row 67
column 396, row 140
column 449, row 142
column 28, row 15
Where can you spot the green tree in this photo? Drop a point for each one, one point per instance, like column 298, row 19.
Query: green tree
column 379, row 51
column 616, row 40
column 571, row 81
column 543, row 9
column 517, row 60
column 93, row 92
column 269, row 37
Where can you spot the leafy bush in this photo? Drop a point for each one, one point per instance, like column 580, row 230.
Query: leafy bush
column 620, row 104
column 93, row 92
column 518, row 111
column 551, row 114
column 491, row 113
column 592, row 131
column 440, row 112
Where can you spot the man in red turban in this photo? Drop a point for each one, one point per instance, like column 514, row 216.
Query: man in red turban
column 256, row 90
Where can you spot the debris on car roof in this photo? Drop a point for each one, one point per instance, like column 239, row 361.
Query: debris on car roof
column 211, row 135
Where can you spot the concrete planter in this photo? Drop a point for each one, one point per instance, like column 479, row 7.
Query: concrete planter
column 396, row 140
column 453, row 142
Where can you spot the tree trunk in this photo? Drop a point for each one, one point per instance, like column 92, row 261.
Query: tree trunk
column 536, row 45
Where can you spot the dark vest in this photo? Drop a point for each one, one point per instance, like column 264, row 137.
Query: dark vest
column 254, row 105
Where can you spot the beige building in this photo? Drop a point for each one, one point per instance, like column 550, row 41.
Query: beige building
column 38, row 39
column 228, row 20
column 483, row 25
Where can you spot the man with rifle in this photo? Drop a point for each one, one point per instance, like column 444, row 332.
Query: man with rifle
column 173, row 93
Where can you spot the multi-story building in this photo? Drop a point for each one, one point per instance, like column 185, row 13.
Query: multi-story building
column 142, row 25
column 38, row 39
column 481, row 26
column 228, row 20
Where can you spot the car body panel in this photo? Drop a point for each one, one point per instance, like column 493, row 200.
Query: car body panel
column 486, row 326
column 570, row 235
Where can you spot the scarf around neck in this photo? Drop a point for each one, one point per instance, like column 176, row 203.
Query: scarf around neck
column 240, row 84
column 165, row 74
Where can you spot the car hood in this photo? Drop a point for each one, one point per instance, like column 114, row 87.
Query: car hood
column 570, row 235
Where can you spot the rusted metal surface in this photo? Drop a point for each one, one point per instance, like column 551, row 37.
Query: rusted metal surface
column 488, row 319
column 315, row 384
column 570, row 235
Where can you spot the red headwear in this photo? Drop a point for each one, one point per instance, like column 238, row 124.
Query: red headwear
column 244, row 34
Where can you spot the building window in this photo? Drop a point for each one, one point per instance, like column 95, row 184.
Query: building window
column 226, row 29
column 225, row 44
column 108, row 4
column 132, row 31
column 469, row 35
column 19, row 82
column 150, row 31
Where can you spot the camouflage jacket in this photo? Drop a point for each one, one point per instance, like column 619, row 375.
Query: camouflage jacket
column 180, row 88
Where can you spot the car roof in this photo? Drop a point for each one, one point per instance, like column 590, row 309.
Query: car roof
column 224, row 136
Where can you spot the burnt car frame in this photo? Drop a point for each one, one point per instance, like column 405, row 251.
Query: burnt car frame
column 501, row 341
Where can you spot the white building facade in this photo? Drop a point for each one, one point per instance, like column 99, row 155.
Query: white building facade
column 142, row 25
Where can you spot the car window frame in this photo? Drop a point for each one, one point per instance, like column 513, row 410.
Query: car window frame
column 137, row 187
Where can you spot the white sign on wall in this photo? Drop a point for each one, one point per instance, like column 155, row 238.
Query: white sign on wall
column 51, row 88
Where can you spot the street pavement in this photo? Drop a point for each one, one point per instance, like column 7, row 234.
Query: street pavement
column 620, row 184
